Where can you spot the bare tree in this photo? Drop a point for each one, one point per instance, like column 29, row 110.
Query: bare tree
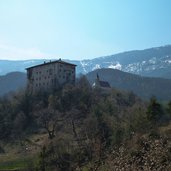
column 48, row 119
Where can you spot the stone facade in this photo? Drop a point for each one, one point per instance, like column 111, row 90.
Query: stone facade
column 50, row 75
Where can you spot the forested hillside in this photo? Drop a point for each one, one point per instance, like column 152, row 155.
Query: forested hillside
column 144, row 87
column 12, row 82
column 80, row 128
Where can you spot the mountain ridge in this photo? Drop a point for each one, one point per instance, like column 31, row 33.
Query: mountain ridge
column 151, row 62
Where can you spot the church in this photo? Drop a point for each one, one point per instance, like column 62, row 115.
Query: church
column 101, row 84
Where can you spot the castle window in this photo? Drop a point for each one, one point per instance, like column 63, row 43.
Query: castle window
column 50, row 71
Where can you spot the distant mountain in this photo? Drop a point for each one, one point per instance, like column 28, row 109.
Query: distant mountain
column 7, row 66
column 144, row 87
column 12, row 82
column 153, row 62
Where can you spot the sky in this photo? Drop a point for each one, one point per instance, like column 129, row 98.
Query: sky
column 81, row 29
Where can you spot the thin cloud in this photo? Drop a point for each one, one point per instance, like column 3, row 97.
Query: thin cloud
column 15, row 53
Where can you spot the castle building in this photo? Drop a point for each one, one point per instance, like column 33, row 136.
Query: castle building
column 50, row 75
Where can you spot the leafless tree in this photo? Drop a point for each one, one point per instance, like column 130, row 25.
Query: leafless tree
column 48, row 119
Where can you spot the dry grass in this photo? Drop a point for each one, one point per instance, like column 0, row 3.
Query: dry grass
column 20, row 153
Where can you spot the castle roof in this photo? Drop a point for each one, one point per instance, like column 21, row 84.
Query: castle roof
column 52, row 62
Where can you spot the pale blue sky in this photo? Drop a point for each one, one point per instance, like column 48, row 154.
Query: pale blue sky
column 81, row 29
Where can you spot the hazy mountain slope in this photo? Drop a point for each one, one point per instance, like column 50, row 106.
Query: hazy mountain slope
column 153, row 62
column 143, row 86
column 11, row 82
column 7, row 66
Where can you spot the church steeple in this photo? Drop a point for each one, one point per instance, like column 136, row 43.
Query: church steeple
column 100, row 84
column 97, row 77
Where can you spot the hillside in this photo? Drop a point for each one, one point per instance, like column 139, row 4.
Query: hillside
column 152, row 62
column 95, row 131
column 145, row 87
column 12, row 82
column 142, row 86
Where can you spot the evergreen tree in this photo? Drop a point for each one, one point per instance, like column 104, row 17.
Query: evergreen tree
column 154, row 110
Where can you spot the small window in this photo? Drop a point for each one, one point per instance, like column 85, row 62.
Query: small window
column 50, row 71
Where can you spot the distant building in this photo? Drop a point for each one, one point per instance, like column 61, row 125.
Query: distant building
column 101, row 84
column 50, row 75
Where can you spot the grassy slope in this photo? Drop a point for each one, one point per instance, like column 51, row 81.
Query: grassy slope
column 18, row 158
column 22, row 154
